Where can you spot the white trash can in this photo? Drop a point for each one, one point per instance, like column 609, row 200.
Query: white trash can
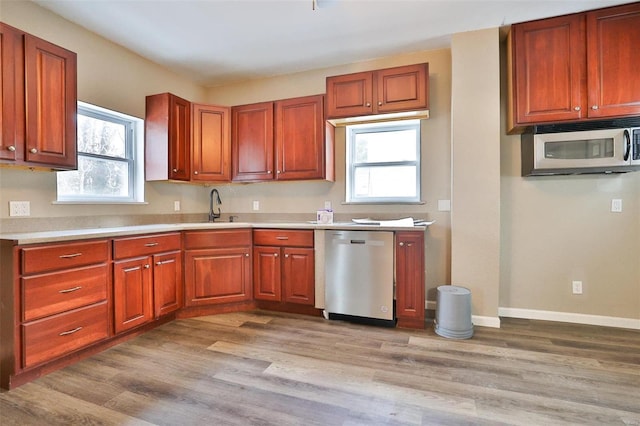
column 453, row 312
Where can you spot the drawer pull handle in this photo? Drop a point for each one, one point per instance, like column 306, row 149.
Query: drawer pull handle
column 151, row 244
column 70, row 256
column 70, row 290
column 282, row 238
column 163, row 262
column 66, row 333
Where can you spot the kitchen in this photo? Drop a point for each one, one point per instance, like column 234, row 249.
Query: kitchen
column 501, row 237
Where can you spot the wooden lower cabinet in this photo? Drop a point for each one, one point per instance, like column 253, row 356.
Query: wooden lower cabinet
column 132, row 293
column 217, row 267
column 168, row 288
column 410, row 279
column 284, row 268
column 147, row 278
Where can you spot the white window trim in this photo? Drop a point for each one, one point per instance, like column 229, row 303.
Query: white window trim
column 136, row 169
column 350, row 167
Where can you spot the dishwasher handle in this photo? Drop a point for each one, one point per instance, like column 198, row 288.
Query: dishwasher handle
column 358, row 242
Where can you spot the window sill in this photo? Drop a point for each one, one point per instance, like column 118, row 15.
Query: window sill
column 359, row 203
column 88, row 202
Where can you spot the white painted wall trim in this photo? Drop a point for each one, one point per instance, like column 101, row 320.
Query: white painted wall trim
column 482, row 321
column 570, row 317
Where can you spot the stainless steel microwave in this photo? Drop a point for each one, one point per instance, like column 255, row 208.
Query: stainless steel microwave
column 587, row 151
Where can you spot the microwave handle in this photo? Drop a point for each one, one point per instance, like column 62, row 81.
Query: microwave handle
column 627, row 145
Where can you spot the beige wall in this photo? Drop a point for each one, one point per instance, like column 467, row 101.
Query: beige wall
column 475, row 215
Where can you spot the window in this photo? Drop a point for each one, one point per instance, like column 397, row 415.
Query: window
column 110, row 155
column 383, row 162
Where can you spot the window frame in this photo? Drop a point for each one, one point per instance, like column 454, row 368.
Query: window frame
column 134, row 158
column 352, row 166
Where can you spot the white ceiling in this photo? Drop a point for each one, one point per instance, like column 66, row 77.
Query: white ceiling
column 217, row 42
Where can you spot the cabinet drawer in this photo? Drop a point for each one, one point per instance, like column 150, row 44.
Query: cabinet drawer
column 58, row 335
column 63, row 256
column 214, row 239
column 49, row 294
column 141, row 246
column 281, row 237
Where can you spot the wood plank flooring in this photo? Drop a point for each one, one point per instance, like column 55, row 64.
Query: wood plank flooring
column 267, row 368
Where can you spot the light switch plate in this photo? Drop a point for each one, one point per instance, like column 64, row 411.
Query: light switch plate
column 256, row 205
column 444, row 205
column 616, row 205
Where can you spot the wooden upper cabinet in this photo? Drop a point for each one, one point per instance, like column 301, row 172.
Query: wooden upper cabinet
column 167, row 137
column 382, row 91
column 300, row 142
column 211, row 143
column 39, row 102
column 252, row 142
column 575, row 67
column 283, row 140
column 549, row 70
column 613, row 43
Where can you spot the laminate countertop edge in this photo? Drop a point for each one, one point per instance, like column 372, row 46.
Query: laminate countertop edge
column 25, row 238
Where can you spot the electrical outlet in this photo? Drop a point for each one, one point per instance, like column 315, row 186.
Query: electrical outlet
column 19, row 208
column 327, row 205
column 576, row 286
column 256, row 205
column 176, row 206
column 444, row 205
column 616, row 205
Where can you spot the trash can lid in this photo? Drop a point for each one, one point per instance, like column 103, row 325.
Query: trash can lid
column 453, row 289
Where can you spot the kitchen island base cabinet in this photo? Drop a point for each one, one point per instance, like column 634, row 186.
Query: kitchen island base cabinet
column 410, row 279
column 217, row 267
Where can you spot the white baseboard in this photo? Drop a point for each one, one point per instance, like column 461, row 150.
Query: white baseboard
column 570, row 317
column 481, row 321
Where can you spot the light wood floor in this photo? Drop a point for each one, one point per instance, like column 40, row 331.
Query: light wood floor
column 263, row 368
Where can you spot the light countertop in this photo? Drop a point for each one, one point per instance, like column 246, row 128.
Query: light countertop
column 23, row 238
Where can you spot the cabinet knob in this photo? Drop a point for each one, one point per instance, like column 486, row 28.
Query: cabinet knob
column 175, row 170
column 269, row 171
column 594, row 107
column 368, row 104
column 286, row 255
column 246, row 255
column 275, row 254
column 278, row 172
column 379, row 103
column 576, row 108
column 11, row 148
column 195, row 173
column 33, row 150
column 401, row 244
column 147, row 266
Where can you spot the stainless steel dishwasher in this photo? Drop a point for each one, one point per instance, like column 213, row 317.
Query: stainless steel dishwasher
column 359, row 276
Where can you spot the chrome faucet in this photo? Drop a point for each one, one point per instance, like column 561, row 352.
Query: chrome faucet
column 212, row 215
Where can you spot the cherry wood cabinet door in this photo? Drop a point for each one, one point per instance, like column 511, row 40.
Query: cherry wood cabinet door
column 252, row 140
column 298, row 275
column 133, row 293
column 300, row 138
column 167, row 283
column 11, row 97
column 215, row 276
column 410, row 279
column 613, row 43
column 51, row 106
column 267, row 273
column 549, row 70
column 350, row 95
column 402, row 89
column 167, row 135
column 211, row 148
